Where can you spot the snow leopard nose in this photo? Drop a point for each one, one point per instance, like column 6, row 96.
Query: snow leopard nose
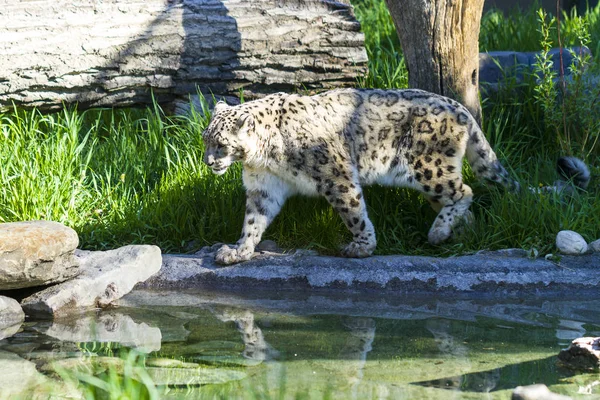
column 209, row 160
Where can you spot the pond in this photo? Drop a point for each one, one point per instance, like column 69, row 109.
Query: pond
column 307, row 346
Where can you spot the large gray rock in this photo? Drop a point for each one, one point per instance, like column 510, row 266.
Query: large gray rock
column 105, row 276
column 571, row 243
column 36, row 253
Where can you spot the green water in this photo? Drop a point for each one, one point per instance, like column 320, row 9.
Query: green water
column 313, row 347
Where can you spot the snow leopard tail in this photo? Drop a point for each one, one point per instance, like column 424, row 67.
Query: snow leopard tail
column 483, row 160
column 574, row 173
column 573, row 170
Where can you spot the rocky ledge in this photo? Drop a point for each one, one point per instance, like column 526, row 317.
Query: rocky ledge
column 487, row 272
column 41, row 257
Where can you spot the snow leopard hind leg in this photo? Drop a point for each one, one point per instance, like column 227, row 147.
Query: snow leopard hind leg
column 346, row 196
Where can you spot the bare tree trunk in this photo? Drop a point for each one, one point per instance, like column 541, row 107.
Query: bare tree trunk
column 440, row 40
column 118, row 52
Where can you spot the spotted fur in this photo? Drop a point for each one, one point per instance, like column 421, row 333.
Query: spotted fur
column 334, row 143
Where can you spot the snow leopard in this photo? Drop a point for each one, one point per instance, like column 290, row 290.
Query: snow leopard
column 334, row 143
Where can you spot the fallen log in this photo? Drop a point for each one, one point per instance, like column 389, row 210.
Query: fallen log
column 120, row 53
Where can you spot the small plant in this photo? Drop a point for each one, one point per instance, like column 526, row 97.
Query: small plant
column 572, row 110
column 123, row 379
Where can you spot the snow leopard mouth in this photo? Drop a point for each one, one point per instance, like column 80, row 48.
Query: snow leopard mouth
column 219, row 171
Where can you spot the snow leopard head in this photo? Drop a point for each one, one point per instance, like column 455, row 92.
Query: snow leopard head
column 226, row 136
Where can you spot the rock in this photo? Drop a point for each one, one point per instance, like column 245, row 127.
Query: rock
column 536, row 392
column 10, row 312
column 11, row 316
column 595, row 246
column 9, row 330
column 105, row 276
column 19, row 379
column 494, row 66
column 190, row 377
column 105, row 328
column 583, row 354
column 571, row 243
column 36, row 253
column 489, row 273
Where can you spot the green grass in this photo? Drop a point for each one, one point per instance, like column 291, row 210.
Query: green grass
column 135, row 176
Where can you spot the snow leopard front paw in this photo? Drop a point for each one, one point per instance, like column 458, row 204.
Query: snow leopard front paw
column 357, row 250
column 439, row 234
column 230, row 255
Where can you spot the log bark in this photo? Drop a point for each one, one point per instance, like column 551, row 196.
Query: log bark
column 440, row 40
column 118, row 52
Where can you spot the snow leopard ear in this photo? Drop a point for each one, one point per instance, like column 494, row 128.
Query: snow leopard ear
column 245, row 123
column 220, row 106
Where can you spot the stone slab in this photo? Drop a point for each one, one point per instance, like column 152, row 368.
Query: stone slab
column 491, row 273
column 105, row 277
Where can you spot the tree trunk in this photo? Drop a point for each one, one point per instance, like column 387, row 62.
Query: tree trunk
column 118, row 52
column 440, row 40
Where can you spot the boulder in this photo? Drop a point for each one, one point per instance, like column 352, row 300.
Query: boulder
column 9, row 330
column 595, row 246
column 11, row 316
column 36, row 253
column 571, row 243
column 105, row 276
column 536, row 392
column 10, row 312
column 583, row 354
column 19, row 379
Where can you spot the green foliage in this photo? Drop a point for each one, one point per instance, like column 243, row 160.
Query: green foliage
column 518, row 30
column 387, row 68
column 136, row 176
column 570, row 104
column 125, row 378
column 116, row 176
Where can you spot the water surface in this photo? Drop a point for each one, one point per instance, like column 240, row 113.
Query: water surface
column 352, row 346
